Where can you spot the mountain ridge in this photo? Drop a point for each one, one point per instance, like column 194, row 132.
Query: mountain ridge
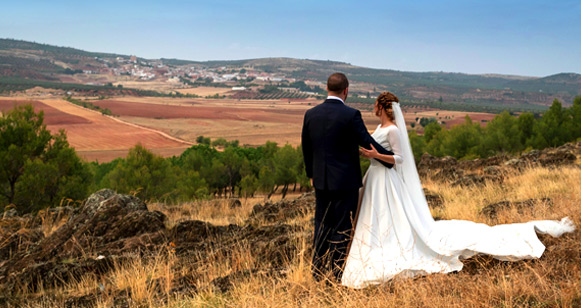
column 37, row 61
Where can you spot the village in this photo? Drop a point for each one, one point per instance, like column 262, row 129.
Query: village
column 236, row 77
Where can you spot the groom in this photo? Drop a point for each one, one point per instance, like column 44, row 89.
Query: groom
column 331, row 136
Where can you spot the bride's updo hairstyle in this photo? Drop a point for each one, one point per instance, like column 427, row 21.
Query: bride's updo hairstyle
column 384, row 101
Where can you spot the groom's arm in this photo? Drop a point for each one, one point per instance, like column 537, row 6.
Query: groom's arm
column 365, row 139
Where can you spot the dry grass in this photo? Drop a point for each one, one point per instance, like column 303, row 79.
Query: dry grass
column 552, row 281
column 216, row 212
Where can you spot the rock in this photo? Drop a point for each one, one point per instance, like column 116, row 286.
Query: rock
column 436, row 167
column 475, row 179
column 434, row 200
column 88, row 300
column 52, row 215
column 284, row 209
column 470, row 179
column 476, row 171
column 273, row 244
column 560, row 156
column 494, row 171
column 10, row 213
column 106, row 224
column 105, row 199
column 20, row 241
column 191, row 231
column 234, row 203
column 226, row 283
column 61, row 272
column 516, row 163
column 491, row 210
column 432, row 162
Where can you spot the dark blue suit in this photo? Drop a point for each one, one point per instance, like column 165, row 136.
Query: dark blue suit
column 331, row 136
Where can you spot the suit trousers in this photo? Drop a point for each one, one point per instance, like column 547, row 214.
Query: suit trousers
column 334, row 215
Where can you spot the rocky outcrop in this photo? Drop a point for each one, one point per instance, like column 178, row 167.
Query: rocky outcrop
column 434, row 200
column 107, row 224
column 110, row 229
column 21, row 240
column 479, row 171
column 284, row 209
column 492, row 210
column 551, row 157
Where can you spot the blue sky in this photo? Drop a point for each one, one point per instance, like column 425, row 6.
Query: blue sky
column 533, row 38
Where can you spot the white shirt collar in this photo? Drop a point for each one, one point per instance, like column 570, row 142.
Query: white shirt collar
column 335, row 97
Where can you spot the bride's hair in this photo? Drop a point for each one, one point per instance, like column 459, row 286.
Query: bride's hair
column 384, row 101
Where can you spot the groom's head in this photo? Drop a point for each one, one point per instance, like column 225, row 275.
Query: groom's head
column 338, row 85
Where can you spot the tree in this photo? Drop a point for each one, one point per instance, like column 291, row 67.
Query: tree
column 232, row 161
column 502, row 134
column 525, row 125
column 269, row 149
column 38, row 169
column 191, row 185
column 220, row 142
column 216, row 175
column 576, row 117
column 463, row 141
column 56, row 175
column 554, row 129
column 425, row 121
column 432, row 130
column 266, row 181
column 418, row 144
column 285, row 161
column 301, row 173
column 200, row 140
column 144, row 174
column 249, row 185
column 23, row 137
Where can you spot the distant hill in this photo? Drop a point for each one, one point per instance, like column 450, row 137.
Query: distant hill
column 34, row 61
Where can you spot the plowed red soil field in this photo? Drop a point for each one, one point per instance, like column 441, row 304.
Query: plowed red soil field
column 95, row 136
column 198, row 111
column 52, row 116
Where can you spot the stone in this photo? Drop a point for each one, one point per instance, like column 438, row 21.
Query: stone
column 10, row 213
column 492, row 210
column 234, row 203
column 106, row 224
column 434, row 200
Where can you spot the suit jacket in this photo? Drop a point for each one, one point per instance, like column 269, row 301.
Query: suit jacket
column 331, row 136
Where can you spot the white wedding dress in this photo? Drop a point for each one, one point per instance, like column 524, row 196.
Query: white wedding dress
column 395, row 233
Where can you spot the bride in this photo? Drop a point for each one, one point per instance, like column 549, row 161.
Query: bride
column 395, row 233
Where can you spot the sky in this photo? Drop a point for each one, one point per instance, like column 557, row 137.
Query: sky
column 530, row 38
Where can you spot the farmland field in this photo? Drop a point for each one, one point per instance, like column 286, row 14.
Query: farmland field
column 168, row 126
column 95, row 136
column 205, row 91
column 252, row 122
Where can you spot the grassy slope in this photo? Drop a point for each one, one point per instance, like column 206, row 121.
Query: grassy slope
column 553, row 280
